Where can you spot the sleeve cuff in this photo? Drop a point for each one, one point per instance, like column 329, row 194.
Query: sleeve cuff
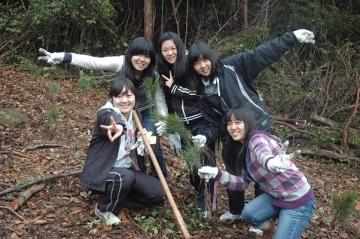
column 67, row 58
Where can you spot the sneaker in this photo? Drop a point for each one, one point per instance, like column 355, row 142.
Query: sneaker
column 108, row 217
column 257, row 231
column 228, row 216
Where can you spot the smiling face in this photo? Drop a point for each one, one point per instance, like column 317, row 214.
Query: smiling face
column 203, row 66
column 140, row 62
column 125, row 101
column 236, row 129
column 169, row 51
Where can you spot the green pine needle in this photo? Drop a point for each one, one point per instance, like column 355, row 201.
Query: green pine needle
column 150, row 85
column 191, row 156
column 175, row 125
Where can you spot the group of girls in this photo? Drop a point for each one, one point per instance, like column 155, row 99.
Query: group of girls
column 205, row 92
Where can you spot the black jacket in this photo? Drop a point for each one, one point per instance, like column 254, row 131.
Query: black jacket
column 235, row 83
column 102, row 154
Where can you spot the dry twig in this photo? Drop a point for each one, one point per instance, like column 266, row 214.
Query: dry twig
column 40, row 180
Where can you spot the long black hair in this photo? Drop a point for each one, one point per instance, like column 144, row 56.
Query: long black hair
column 201, row 50
column 178, row 69
column 139, row 46
column 234, row 151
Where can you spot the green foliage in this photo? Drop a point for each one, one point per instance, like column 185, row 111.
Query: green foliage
column 52, row 114
column 175, row 125
column 191, row 156
column 241, row 41
column 84, row 82
column 54, row 87
column 344, row 205
column 149, row 223
column 151, row 85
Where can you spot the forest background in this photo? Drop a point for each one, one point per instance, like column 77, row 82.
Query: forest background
column 312, row 93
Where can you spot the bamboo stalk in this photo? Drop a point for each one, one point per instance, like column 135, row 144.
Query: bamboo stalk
column 179, row 219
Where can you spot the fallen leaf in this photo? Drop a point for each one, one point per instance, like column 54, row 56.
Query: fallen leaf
column 77, row 210
column 40, row 222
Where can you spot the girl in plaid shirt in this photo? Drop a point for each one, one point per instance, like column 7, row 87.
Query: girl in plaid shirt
column 261, row 157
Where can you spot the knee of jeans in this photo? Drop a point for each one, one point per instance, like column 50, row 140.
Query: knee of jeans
column 248, row 215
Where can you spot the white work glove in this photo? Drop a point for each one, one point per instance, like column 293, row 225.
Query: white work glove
column 282, row 161
column 51, row 58
column 199, row 140
column 175, row 143
column 304, row 36
column 207, row 172
column 160, row 127
column 140, row 145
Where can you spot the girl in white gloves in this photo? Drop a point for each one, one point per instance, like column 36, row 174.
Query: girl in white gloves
column 230, row 82
column 137, row 65
column 110, row 168
column 260, row 157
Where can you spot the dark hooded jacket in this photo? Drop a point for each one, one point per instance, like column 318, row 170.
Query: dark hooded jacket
column 234, row 85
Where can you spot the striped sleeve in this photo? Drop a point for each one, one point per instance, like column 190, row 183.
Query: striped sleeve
column 232, row 182
column 183, row 92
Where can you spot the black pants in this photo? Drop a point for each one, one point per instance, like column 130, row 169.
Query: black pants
column 207, row 158
column 237, row 199
column 127, row 188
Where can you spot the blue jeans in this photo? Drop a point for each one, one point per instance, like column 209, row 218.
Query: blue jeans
column 148, row 124
column 291, row 222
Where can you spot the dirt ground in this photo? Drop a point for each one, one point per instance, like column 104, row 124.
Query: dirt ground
column 64, row 209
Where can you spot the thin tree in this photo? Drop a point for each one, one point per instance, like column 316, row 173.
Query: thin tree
column 148, row 18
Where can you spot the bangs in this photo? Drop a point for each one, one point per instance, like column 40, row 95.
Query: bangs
column 142, row 46
column 201, row 50
column 119, row 84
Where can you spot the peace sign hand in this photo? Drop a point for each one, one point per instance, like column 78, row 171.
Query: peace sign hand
column 169, row 81
column 114, row 130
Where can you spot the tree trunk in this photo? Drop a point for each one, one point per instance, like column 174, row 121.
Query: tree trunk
column 245, row 15
column 148, row 18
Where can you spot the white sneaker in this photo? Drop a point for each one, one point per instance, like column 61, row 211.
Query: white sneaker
column 228, row 216
column 257, row 231
column 108, row 217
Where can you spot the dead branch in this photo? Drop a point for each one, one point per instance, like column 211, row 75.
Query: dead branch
column 345, row 140
column 294, row 121
column 40, row 180
column 16, row 153
column 327, row 154
column 293, row 127
column 175, row 17
column 224, row 25
column 24, row 197
column 16, row 214
column 323, row 120
column 42, row 146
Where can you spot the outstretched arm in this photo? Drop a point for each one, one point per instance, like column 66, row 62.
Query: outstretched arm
column 252, row 62
column 110, row 63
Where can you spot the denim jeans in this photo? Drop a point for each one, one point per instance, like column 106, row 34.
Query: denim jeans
column 148, row 124
column 291, row 222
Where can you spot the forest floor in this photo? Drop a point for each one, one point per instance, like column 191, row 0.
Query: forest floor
column 64, row 208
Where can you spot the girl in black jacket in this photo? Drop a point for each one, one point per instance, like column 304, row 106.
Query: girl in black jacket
column 110, row 167
column 229, row 83
column 138, row 65
column 183, row 100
